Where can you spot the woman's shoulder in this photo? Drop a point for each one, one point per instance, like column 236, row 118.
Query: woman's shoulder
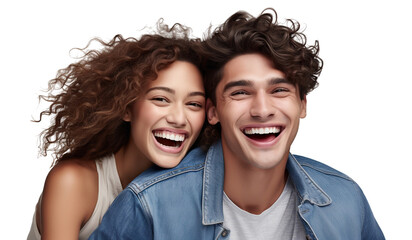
column 71, row 190
column 73, row 173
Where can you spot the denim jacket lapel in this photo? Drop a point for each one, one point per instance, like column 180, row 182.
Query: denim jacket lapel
column 305, row 185
column 212, row 198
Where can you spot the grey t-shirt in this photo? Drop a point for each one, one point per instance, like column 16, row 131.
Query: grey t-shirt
column 279, row 221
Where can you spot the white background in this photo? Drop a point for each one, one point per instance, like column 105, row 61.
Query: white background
column 358, row 119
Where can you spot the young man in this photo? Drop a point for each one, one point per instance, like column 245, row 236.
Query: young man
column 247, row 185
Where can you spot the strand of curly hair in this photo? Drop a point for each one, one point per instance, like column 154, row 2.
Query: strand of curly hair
column 88, row 99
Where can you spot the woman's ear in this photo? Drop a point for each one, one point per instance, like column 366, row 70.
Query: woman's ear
column 212, row 116
column 127, row 117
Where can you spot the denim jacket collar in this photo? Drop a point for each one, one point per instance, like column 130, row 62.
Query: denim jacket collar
column 305, row 185
column 212, row 204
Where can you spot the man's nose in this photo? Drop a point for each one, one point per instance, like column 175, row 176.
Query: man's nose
column 261, row 106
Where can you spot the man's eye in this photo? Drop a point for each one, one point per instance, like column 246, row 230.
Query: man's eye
column 279, row 90
column 240, row 92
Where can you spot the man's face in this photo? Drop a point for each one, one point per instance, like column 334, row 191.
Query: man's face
column 259, row 112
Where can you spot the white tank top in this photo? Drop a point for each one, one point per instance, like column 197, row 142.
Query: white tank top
column 109, row 188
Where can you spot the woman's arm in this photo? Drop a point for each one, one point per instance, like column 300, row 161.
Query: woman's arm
column 69, row 198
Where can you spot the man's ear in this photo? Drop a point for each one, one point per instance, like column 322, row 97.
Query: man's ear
column 212, row 116
column 303, row 107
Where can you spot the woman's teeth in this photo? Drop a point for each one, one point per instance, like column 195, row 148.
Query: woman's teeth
column 170, row 136
column 169, row 139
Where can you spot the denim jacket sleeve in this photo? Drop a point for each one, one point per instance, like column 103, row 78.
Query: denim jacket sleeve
column 127, row 218
column 370, row 229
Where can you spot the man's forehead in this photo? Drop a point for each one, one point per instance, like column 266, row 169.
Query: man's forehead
column 248, row 66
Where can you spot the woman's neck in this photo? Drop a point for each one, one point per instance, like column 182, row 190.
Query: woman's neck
column 130, row 163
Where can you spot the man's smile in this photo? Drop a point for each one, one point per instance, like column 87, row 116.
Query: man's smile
column 262, row 133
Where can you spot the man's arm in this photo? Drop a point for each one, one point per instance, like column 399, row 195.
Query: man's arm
column 370, row 228
column 127, row 218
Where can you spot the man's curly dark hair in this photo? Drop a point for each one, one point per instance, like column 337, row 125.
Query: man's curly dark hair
column 284, row 45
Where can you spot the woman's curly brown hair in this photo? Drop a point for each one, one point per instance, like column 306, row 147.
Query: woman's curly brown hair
column 284, row 45
column 89, row 98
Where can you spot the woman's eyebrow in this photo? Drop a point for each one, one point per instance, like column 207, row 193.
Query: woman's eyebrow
column 197, row 94
column 166, row 89
column 172, row 91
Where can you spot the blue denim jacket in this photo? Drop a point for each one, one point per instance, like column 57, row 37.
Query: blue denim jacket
column 185, row 202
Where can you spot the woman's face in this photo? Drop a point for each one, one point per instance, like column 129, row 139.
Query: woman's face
column 168, row 116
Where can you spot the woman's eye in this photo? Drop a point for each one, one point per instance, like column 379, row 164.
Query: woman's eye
column 160, row 99
column 195, row 104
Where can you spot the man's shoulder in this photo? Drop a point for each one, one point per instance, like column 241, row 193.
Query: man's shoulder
column 313, row 166
column 193, row 162
column 316, row 180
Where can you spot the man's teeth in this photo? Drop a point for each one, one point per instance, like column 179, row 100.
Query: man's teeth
column 266, row 130
column 171, row 136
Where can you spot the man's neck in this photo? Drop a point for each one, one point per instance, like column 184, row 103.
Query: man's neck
column 252, row 189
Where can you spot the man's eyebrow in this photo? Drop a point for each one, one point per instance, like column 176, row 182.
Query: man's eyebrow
column 238, row 83
column 274, row 81
column 166, row 89
column 248, row 83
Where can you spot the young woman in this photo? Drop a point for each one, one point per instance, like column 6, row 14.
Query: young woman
column 116, row 112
